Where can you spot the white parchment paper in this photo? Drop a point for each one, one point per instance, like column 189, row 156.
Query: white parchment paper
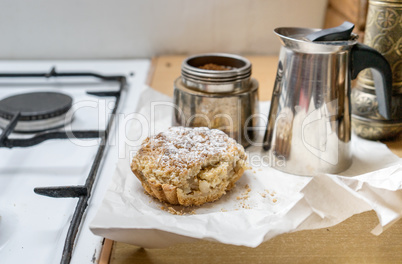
column 264, row 203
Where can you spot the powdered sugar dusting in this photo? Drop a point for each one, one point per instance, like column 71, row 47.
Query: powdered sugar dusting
column 181, row 148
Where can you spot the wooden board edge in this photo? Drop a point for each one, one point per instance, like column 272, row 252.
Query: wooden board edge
column 106, row 252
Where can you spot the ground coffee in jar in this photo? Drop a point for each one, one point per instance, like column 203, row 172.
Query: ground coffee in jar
column 214, row 67
column 217, row 91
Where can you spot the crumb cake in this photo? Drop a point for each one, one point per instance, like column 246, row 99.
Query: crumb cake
column 189, row 166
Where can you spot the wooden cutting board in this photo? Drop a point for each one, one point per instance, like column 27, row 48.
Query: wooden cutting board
column 347, row 242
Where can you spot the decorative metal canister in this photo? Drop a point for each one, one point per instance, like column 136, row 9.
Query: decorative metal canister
column 383, row 33
column 216, row 91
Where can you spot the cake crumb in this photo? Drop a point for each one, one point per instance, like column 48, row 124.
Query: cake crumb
column 173, row 211
column 263, row 195
column 244, row 195
column 244, row 205
column 274, row 200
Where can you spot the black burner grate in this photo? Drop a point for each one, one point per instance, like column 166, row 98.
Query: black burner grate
column 82, row 192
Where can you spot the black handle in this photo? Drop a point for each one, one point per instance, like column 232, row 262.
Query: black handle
column 341, row 32
column 365, row 57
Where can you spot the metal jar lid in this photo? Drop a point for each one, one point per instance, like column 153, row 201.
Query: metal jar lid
column 236, row 76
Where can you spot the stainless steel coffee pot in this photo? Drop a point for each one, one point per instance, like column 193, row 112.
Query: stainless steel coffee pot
column 309, row 122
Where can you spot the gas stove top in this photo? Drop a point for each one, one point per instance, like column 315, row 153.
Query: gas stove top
column 58, row 138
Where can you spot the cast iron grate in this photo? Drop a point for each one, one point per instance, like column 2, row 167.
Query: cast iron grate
column 82, row 192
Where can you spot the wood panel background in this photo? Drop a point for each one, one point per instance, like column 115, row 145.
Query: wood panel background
column 354, row 11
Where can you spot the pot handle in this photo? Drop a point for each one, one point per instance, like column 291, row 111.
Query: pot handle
column 363, row 57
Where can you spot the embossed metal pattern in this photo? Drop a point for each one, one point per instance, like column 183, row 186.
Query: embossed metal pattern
column 383, row 33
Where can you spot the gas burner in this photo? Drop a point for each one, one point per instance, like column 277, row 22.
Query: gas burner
column 39, row 111
column 46, row 110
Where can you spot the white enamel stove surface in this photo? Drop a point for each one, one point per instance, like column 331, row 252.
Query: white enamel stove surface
column 33, row 227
